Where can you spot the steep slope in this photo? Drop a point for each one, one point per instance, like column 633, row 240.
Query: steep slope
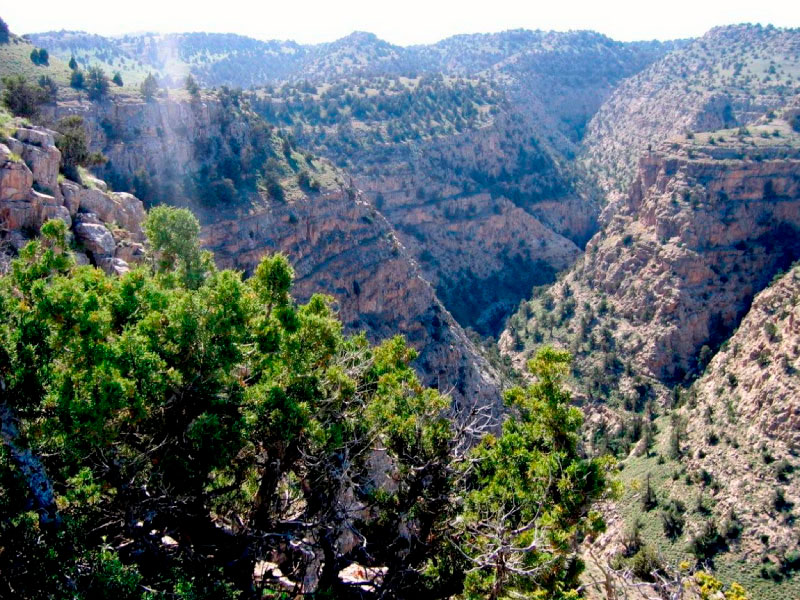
column 728, row 78
column 177, row 150
column 707, row 223
column 723, row 468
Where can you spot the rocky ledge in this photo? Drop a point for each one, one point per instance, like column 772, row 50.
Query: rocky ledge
column 107, row 226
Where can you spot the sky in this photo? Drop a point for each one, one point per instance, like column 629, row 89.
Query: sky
column 402, row 22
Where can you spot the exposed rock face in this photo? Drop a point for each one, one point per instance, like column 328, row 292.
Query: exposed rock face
column 107, row 225
column 339, row 244
column 703, row 229
column 757, row 368
column 37, row 148
column 700, row 238
column 163, row 139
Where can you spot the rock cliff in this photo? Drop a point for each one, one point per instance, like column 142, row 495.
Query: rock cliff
column 107, row 226
column 728, row 78
column 707, row 223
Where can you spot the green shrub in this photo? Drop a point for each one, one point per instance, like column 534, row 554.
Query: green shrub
column 74, row 147
column 96, row 83
column 273, row 186
column 672, row 518
column 646, row 563
column 77, row 79
column 733, row 527
column 192, row 87
column 783, row 468
column 149, row 87
column 649, row 499
column 779, row 501
column 40, row 57
column 49, row 87
column 708, row 542
column 21, row 97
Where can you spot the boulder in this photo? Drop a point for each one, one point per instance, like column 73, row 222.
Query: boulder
column 16, row 178
column 113, row 266
column 71, row 192
column 95, row 237
column 37, row 149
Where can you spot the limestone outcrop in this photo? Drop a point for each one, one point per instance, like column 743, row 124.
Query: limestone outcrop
column 106, row 226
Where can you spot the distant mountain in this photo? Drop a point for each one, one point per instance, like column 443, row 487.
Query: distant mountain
column 236, row 60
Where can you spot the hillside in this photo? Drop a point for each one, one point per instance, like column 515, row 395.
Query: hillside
column 463, row 182
column 15, row 59
column 215, row 59
column 679, row 314
column 724, row 489
column 728, row 78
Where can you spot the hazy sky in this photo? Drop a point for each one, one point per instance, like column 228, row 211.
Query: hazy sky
column 400, row 21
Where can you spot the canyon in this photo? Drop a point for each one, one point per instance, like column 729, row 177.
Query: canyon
column 637, row 204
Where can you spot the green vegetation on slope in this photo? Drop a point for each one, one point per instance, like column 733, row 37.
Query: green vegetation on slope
column 727, row 78
column 357, row 113
column 683, row 523
column 15, row 59
column 172, row 431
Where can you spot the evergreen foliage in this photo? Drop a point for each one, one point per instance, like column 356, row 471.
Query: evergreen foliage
column 165, row 430
column 531, row 492
column 77, row 79
column 149, row 87
column 22, row 97
column 74, row 147
column 50, row 88
column 96, row 83
column 40, row 57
